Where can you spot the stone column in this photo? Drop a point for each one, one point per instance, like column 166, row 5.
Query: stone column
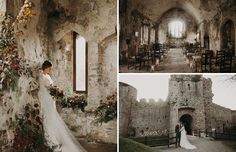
column 94, row 75
column 173, row 118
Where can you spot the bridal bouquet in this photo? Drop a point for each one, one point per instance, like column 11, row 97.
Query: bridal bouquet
column 75, row 101
column 55, row 92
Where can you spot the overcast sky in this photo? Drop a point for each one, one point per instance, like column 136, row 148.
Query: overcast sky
column 156, row 86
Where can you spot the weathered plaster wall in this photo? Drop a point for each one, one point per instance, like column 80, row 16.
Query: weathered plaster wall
column 87, row 19
column 48, row 37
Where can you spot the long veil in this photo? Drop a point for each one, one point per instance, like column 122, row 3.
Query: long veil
column 184, row 143
column 56, row 131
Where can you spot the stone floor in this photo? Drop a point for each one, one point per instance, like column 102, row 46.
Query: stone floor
column 202, row 144
column 174, row 62
column 98, row 147
column 89, row 146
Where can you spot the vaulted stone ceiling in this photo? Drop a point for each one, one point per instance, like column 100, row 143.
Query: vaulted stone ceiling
column 199, row 9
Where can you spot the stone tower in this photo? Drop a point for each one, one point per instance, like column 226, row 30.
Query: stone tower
column 127, row 98
column 188, row 95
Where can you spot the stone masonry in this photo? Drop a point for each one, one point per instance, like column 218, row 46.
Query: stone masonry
column 189, row 100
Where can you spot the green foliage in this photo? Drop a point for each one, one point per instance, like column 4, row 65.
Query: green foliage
column 107, row 110
column 7, row 34
column 74, row 102
column 11, row 65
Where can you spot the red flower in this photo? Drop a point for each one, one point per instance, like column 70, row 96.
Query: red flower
column 38, row 119
column 15, row 66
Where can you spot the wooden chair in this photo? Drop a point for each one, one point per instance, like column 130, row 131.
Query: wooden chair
column 220, row 55
column 133, row 61
column 226, row 64
column 206, row 62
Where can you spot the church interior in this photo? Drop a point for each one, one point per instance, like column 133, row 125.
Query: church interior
column 177, row 36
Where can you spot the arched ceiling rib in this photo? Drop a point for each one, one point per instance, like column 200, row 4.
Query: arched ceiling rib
column 154, row 9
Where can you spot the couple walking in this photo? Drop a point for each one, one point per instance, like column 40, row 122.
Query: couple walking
column 181, row 137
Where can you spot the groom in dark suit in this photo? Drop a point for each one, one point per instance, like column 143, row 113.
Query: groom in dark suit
column 178, row 135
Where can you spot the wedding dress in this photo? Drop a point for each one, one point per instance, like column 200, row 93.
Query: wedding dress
column 184, row 143
column 56, row 131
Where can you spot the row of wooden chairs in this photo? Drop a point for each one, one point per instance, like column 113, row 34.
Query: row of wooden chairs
column 221, row 62
column 146, row 56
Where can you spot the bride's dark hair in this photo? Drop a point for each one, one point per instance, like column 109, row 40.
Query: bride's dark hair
column 46, row 64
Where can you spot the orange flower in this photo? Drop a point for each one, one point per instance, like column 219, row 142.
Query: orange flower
column 19, row 33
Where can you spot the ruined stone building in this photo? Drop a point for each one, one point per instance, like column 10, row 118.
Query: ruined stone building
column 189, row 100
column 177, row 33
column 79, row 38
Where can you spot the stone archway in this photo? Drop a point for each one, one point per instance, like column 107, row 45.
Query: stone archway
column 228, row 36
column 187, row 120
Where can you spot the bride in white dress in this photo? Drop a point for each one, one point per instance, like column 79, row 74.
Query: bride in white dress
column 56, row 131
column 184, row 143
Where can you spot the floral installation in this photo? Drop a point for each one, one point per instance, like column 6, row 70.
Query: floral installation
column 76, row 101
column 11, row 65
column 25, row 13
column 28, row 129
column 107, row 110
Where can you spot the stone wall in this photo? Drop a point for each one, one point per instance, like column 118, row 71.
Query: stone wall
column 132, row 25
column 213, row 27
column 127, row 99
column 188, row 95
column 48, row 37
column 150, row 118
column 233, row 118
column 209, row 17
column 218, row 116
column 138, row 118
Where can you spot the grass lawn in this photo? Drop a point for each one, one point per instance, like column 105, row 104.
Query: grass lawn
column 229, row 143
column 128, row 145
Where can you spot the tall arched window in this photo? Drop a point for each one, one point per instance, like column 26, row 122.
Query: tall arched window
column 80, row 64
column 176, row 29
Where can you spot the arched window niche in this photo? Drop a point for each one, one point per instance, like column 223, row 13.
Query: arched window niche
column 80, row 64
column 176, row 28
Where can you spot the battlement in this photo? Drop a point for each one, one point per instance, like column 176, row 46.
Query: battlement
column 150, row 102
column 193, row 78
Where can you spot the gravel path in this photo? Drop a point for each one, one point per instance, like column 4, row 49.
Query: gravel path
column 202, row 144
